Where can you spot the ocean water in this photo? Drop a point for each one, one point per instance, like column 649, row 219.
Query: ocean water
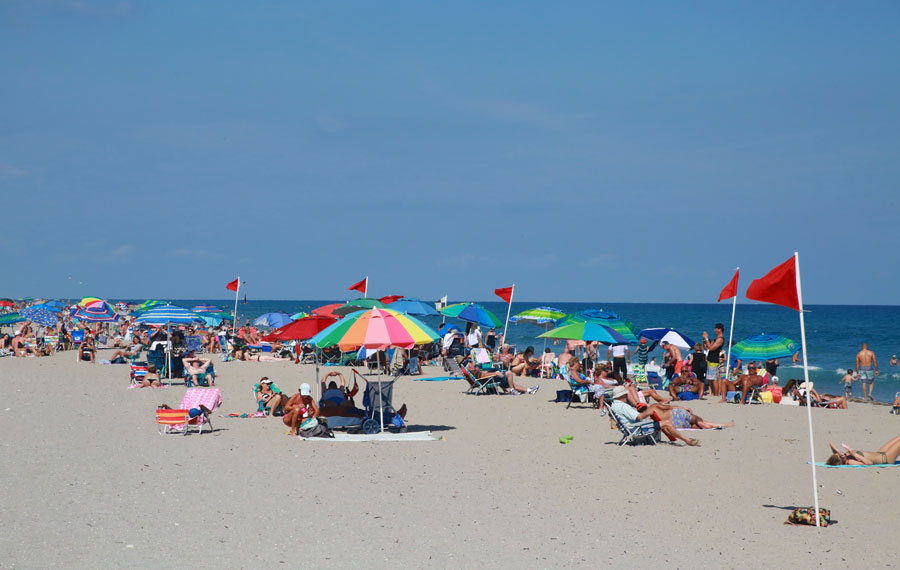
column 834, row 333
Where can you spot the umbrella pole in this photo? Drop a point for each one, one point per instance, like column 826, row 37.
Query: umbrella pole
column 169, row 352
column 317, row 372
column 380, row 401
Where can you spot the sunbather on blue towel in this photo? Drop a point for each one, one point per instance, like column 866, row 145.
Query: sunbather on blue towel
column 885, row 455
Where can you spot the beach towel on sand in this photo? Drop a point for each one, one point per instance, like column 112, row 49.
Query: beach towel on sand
column 895, row 464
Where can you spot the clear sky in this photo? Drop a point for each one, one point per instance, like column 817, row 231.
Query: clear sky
column 585, row 151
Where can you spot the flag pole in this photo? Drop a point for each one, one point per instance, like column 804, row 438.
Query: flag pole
column 508, row 309
column 730, row 336
column 236, row 293
column 812, row 454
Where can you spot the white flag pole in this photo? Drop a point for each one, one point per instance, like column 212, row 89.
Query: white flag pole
column 812, row 454
column 236, row 292
column 366, row 287
column 508, row 309
column 730, row 336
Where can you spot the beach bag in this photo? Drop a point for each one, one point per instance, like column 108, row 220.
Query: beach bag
column 804, row 516
column 688, row 396
column 318, row 430
column 563, row 395
column 309, row 423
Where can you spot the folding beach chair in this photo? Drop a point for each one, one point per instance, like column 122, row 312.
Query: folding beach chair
column 580, row 393
column 377, row 402
column 639, row 433
column 174, row 421
column 307, row 354
column 194, row 343
column 138, row 371
column 77, row 338
column 158, row 358
column 478, row 386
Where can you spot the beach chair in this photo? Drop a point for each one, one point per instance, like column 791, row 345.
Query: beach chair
column 194, row 343
column 307, row 354
column 157, row 358
column 179, row 421
column 137, row 373
column 478, row 386
column 204, row 381
column 580, row 393
column 644, row 432
column 377, row 403
column 77, row 338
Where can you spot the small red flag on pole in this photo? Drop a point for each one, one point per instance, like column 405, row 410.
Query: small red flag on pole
column 730, row 290
column 505, row 293
column 778, row 286
column 233, row 286
column 362, row 286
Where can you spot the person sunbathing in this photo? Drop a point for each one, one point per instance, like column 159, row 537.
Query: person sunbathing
column 522, row 364
column 744, row 383
column 796, row 390
column 268, row 395
column 506, row 380
column 196, row 369
column 151, row 378
column 886, row 454
column 628, row 415
column 686, row 378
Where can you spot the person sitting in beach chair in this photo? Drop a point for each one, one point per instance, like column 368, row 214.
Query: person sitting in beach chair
column 886, row 454
column 269, row 396
column 131, row 353
column 337, row 396
column 506, row 380
column 661, row 416
column 746, row 383
column 525, row 364
column 195, row 370
column 798, row 392
column 686, row 381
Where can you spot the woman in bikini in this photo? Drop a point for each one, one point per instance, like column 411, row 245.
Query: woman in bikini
column 299, row 408
column 886, row 454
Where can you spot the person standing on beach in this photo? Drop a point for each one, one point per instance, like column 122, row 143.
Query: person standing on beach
column 847, row 382
column 866, row 370
column 714, row 353
column 672, row 360
column 621, row 358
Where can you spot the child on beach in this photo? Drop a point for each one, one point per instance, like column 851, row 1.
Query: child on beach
column 847, row 382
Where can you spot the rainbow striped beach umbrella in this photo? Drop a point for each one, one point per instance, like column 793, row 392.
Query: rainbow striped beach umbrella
column 375, row 329
column 97, row 312
column 764, row 347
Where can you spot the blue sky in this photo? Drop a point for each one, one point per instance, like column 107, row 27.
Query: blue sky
column 585, row 151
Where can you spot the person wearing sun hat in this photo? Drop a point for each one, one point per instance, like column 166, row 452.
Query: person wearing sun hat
column 299, row 408
column 661, row 415
column 268, row 395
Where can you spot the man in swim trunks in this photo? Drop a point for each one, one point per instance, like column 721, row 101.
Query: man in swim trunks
column 672, row 359
column 866, row 370
column 196, row 368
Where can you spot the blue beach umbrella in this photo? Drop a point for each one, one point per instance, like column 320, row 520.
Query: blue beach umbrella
column 764, row 347
column 166, row 314
column 43, row 317
column 413, row 306
column 447, row 327
column 473, row 313
column 273, row 320
column 671, row 336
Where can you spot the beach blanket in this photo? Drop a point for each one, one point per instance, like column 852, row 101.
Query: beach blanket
column 253, row 415
column 387, row 436
column 895, row 464
column 438, row 379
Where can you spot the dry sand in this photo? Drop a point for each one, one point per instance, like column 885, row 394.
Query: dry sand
column 88, row 483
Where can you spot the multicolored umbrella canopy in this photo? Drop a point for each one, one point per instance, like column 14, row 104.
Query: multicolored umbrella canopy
column 473, row 313
column 607, row 318
column 358, row 305
column 586, row 331
column 413, row 306
column 541, row 316
column 327, row 310
column 145, row 306
column 668, row 335
column 7, row 303
column 11, row 318
column 375, row 329
column 43, row 317
column 97, row 312
column 85, row 301
column 301, row 329
column 299, row 315
column 764, row 346
column 272, row 320
column 49, row 307
column 206, row 309
column 165, row 314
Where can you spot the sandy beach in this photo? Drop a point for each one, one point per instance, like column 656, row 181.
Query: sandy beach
column 88, row 483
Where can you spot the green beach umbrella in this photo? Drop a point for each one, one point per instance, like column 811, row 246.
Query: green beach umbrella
column 541, row 316
column 359, row 305
column 299, row 315
column 764, row 347
column 586, row 331
column 610, row 319
column 473, row 313
column 11, row 318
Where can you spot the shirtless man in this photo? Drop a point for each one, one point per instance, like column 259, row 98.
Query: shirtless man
column 196, row 369
column 866, row 370
column 672, row 359
column 685, row 378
